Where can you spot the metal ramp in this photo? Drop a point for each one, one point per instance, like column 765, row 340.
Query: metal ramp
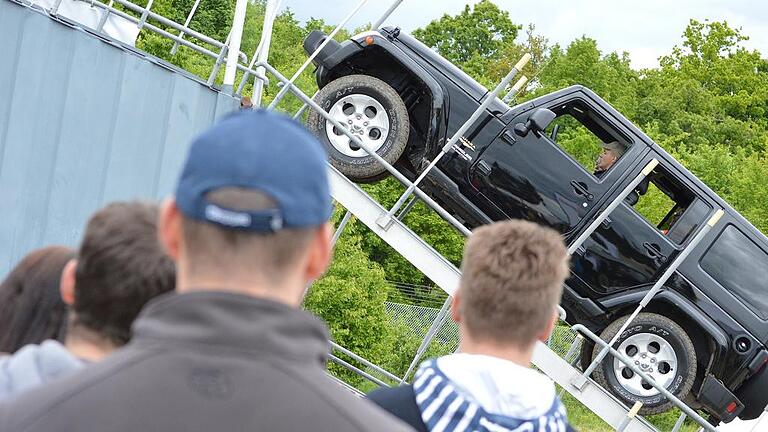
column 387, row 223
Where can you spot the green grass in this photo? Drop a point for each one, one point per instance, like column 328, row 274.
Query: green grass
column 586, row 421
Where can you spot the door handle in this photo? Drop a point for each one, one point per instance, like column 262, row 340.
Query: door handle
column 581, row 189
column 654, row 251
column 484, row 168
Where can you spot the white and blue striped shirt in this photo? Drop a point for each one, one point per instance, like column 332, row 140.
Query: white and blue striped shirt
column 445, row 408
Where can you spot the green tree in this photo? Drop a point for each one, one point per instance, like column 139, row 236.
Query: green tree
column 473, row 38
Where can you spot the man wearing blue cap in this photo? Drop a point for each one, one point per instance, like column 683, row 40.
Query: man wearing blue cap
column 248, row 229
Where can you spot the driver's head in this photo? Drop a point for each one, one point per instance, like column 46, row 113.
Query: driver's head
column 251, row 209
column 612, row 151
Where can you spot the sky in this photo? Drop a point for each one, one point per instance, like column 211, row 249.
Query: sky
column 646, row 29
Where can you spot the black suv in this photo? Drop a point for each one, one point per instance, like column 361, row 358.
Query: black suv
column 703, row 336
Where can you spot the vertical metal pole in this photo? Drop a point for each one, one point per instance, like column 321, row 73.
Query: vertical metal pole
column 340, row 228
column 55, row 8
column 386, row 220
column 105, row 16
column 386, row 15
column 327, row 40
column 630, row 416
column 270, row 13
column 408, row 207
column 143, row 19
column 612, row 206
column 515, row 89
column 303, row 108
column 217, row 65
column 581, row 380
column 679, row 422
column 235, row 37
column 433, row 329
column 186, row 24
column 254, row 57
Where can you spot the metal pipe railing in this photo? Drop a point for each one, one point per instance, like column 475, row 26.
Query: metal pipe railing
column 612, row 206
column 386, row 220
column 627, row 362
column 233, row 44
column 357, row 370
column 186, row 24
column 395, row 173
column 144, row 15
column 386, row 14
column 431, row 333
column 105, row 16
column 365, row 362
column 312, row 56
column 263, row 51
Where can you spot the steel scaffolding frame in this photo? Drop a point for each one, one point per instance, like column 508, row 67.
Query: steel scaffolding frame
column 388, row 224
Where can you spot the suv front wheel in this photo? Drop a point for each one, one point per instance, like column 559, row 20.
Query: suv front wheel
column 370, row 109
column 657, row 346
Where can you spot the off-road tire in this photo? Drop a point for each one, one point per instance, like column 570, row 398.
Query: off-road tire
column 675, row 336
column 363, row 169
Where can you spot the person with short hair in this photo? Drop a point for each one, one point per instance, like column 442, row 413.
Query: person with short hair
column 511, row 282
column 248, row 228
column 612, row 152
column 119, row 267
column 31, row 309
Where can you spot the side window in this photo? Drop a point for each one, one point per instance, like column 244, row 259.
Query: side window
column 587, row 137
column 668, row 206
column 741, row 267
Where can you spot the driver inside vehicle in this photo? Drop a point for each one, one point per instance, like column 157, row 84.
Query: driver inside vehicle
column 612, row 151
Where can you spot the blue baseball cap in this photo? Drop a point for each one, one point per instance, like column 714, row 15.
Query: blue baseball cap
column 262, row 151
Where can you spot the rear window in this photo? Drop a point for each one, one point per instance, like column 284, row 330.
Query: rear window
column 741, row 267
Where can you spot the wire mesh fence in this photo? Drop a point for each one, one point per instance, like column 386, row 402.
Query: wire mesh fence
column 419, row 318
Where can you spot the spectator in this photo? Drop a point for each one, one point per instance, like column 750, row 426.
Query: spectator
column 31, row 309
column 248, row 229
column 119, row 267
column 512, row 278
column 245, row 103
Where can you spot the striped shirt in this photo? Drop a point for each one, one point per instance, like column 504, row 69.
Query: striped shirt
column 446, row 409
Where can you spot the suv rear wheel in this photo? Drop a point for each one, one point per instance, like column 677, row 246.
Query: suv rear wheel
column 373, row 112
column 661, row 349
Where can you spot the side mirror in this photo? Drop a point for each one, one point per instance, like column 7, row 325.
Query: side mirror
column 537, row 122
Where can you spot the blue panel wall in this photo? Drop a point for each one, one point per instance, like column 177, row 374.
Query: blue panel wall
column 83, row 122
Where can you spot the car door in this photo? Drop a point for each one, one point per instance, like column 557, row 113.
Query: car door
column 642, row 236
column 533, row 178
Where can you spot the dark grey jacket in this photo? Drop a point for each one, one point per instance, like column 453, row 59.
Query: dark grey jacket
column 204, row 361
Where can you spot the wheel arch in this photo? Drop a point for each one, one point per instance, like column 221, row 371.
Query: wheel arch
column 707, row 337
column 385, row 61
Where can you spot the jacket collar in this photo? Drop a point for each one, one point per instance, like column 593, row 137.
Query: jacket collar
column 233, row 321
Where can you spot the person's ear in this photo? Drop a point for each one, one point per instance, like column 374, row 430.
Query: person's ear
column 169, row 228
column 455, row 306
column 544, row 335
column 320, row 253
column 67, row 283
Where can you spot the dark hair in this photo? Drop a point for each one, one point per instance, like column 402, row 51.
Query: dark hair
column 120, row 267
column 31, row 309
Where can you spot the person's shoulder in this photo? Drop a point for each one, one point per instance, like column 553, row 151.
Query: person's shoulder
column 34, row 365
column 401, row 402
column 63, row 395
column 357, row 412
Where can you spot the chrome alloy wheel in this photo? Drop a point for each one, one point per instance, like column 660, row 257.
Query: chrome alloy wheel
column 651, row 354
column 365, row 117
